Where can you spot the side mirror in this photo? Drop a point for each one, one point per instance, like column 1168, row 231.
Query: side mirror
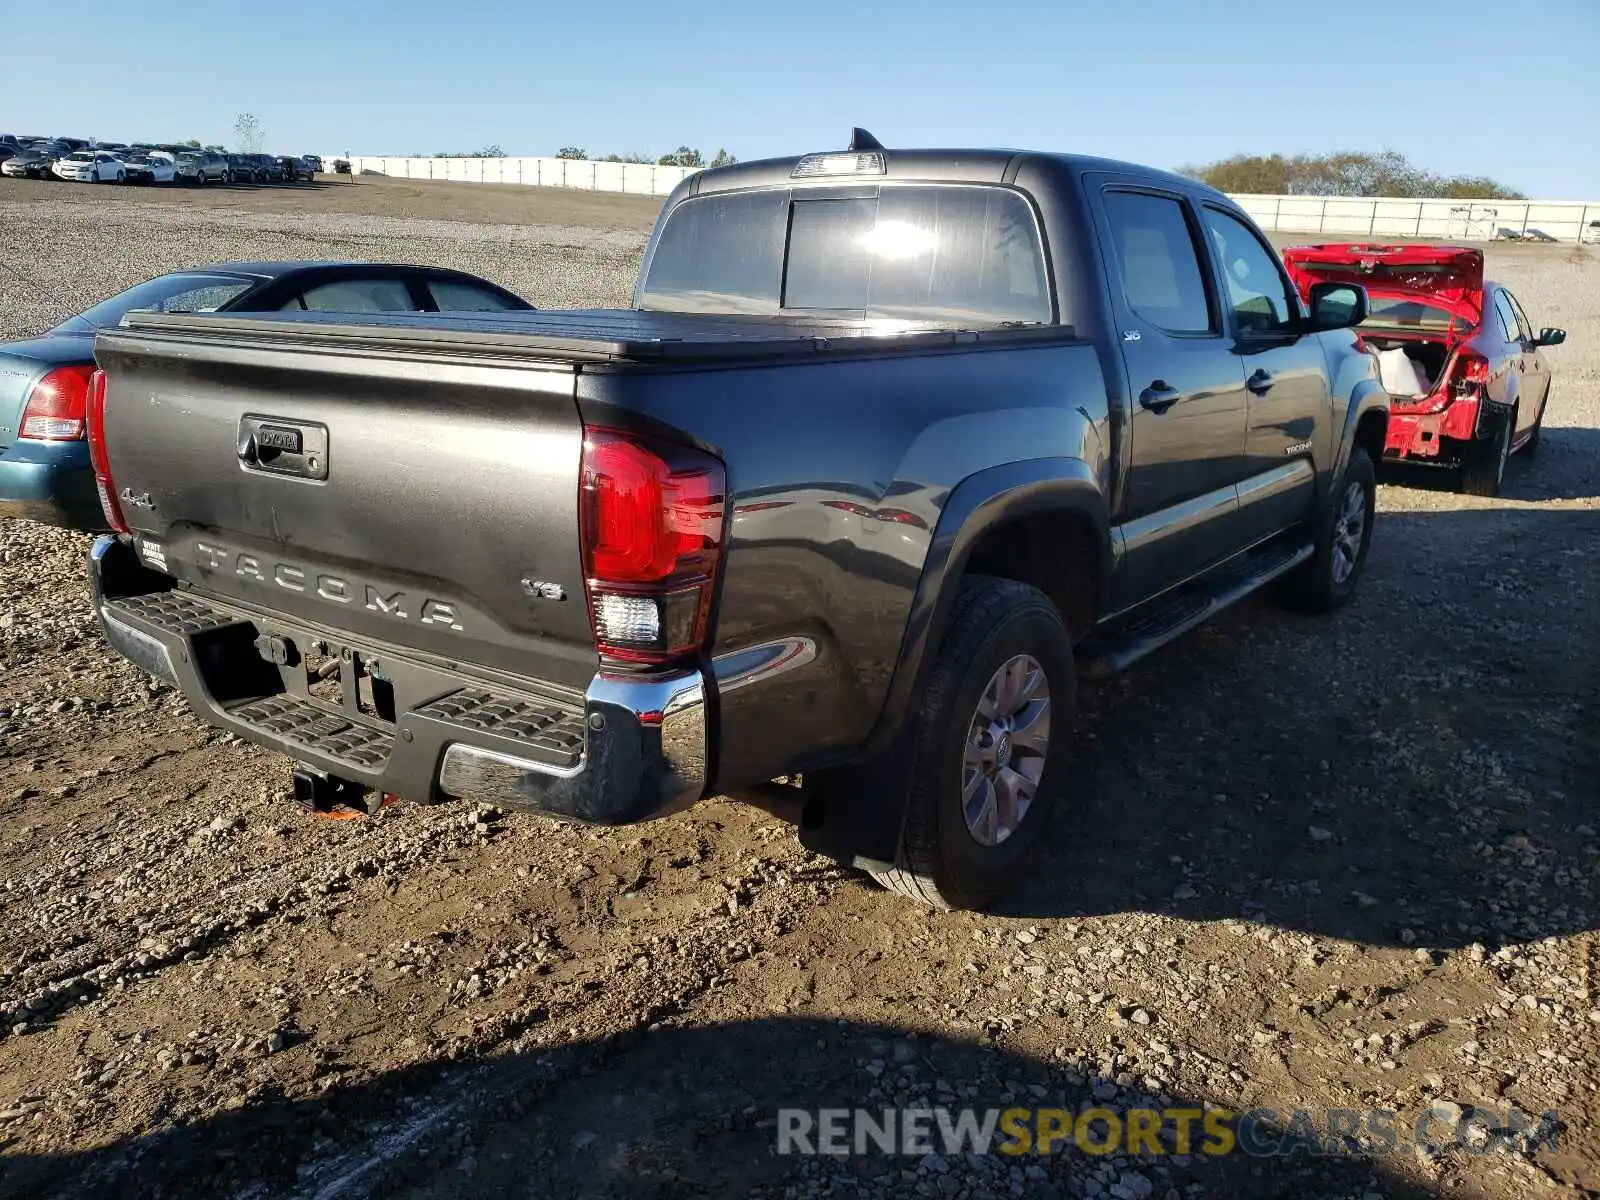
column 1337, row 306
column 1550, row 337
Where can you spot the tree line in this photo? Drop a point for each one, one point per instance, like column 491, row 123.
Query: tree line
column 683, row 156
column 1343, row 173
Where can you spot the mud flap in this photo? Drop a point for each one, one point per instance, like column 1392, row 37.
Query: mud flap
column 855, row 815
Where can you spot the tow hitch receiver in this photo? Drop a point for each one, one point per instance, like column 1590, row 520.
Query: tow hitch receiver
column 324, row 795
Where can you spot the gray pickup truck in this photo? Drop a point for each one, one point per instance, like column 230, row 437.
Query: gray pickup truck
column 890, row 447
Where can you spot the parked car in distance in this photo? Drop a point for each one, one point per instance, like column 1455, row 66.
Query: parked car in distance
column 201, row 167
column 32, row 163
column 44, row 463
column 291, row 170
column 241, row 169
column 267, row 169
column 1468, row 385
column 1022, row 408
column 90, row 166
column 155, row 166
column 311, row 165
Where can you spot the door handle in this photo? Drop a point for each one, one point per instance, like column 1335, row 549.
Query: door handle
column 1259, row 383
column 1158, row 397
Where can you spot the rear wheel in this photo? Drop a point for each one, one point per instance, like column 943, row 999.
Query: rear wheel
column 1328, row 579
column 1531, row 446
column 989, row 741
column 1483, row 469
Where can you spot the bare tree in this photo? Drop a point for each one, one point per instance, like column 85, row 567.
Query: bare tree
column 247, row 133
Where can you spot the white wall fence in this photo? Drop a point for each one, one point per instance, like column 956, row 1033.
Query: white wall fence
column 644, row 179
column 1440, row 220
column 1356, row 219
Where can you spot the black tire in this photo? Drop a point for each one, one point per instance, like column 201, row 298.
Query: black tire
column 1327, row 580
column 941, row 862
column 1483, row 467
column 1531, row 446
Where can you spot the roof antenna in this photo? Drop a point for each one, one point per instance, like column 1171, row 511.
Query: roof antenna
column 860, row 139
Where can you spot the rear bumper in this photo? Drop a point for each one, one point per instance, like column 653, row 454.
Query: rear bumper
column 1426, row 437
column 629, row 749
column 51, row 482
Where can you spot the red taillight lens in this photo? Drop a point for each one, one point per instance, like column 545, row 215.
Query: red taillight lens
column 652, row 520
column 95, row 418
column 1472, row 370
column 56, row 405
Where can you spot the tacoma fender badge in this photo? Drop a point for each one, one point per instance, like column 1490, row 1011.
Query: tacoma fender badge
column 538, row 589
column 1297, row 447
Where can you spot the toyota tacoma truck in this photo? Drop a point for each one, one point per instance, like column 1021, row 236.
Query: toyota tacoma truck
column 889, row 448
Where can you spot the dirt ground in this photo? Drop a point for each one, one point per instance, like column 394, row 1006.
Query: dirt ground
column 481, row 203
column 1346, row 863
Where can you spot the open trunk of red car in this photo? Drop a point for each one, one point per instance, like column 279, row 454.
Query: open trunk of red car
column 1425, row 300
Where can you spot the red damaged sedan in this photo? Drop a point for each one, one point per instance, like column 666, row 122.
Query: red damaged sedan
column 1455, row 352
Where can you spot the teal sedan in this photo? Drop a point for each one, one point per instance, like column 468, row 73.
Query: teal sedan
column 45, row 473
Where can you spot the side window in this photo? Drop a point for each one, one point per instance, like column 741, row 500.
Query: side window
column 450, row 296
column 1522, row 318
column 1157, row 262
column 1508, row 317
column 357, row 295
column 1257, row 293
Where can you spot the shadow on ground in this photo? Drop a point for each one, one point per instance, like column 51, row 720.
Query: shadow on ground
column 667, row 1114
column 1561, row 469
column 1434, row 786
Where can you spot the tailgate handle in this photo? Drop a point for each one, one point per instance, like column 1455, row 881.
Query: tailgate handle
column 278, row 446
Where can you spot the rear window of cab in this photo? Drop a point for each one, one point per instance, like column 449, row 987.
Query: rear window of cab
column 962, row 255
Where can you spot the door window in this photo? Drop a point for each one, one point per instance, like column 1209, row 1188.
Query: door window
column 451, row 296
column 1508, row 317
column 1258, row 293
column 1157, row 263
column 1522, row 317
column 357, row 295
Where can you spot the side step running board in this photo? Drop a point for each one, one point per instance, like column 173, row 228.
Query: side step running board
column 1114, row 649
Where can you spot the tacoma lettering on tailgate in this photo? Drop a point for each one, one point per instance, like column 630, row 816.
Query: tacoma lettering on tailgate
column 399, row 604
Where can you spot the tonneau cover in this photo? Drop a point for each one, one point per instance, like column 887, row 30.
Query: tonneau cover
column 575, row 335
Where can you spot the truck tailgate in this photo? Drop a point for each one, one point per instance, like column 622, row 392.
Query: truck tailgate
column 404, row 498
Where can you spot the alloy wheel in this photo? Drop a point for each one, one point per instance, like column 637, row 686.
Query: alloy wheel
column 1348, row 530
column 1008, row 741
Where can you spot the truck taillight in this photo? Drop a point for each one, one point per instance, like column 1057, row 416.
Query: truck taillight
column 95, row 418
column 651, row 516
column 56, row 405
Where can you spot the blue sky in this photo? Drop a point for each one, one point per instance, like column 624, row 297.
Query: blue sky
column 1467, row 86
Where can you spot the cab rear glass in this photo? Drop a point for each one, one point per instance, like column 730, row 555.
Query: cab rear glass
column 952, row 255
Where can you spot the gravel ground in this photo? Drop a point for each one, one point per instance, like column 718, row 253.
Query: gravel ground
column 1346, row 863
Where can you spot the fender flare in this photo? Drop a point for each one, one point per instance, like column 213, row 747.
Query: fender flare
column 855, row 816
column 1366, row 397
column 980, row 503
